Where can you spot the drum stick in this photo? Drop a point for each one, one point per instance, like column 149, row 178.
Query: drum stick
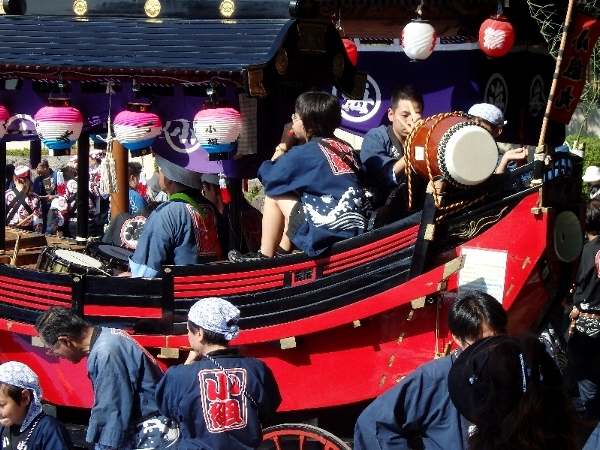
column 13, row 260
column 404, row 124
column 25, row 220
column 413, row 113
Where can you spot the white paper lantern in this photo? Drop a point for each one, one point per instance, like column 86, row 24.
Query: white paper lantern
column 418, row 39
column 217, row 131
column 136, row 128
column 58, row 125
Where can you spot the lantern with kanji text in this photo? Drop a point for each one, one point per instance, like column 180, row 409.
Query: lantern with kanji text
column 217, row 130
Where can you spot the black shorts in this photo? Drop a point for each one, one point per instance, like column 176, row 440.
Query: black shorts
column 297, row 218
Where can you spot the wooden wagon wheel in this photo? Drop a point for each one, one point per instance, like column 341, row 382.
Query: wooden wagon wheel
column 300, row 436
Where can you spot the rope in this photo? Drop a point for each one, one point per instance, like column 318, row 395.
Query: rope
column 108, row 167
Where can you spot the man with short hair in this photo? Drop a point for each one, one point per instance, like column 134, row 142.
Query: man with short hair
column 181, row 231
column 124, row 378
column 382, row 149
column 420, row 406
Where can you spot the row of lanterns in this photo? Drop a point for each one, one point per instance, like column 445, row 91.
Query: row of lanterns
column 59, row 125
column 496, row 38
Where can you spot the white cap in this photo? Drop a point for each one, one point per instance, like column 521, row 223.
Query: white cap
column 592, row 173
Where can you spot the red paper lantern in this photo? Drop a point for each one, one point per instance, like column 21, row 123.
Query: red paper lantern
column 351, row 50
column 4, row 116
column 496, row 36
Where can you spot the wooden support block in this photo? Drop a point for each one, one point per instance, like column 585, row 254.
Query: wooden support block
column 168, row 353
column 287, row 343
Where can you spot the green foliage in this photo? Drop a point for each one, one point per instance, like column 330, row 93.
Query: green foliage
column 592, row 153
column 253, row 192
column 23, row 151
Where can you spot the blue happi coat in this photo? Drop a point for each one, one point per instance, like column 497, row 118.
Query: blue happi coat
column 419, row 404
column 332, row 198
column 48, row 433
column 219, row 409
column 124, row 377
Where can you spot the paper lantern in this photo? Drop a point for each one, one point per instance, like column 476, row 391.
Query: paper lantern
column 4, row 116
column 136, row 128
column 351, row 50
column 496, row 36
column 418, row 39
column 58, row 125
column 217, row 131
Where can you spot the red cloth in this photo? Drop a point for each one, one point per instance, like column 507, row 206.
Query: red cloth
column 581, row 38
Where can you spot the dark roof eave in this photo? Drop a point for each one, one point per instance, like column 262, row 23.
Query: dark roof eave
column 259, row 52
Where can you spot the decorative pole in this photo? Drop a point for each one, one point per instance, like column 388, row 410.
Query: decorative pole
column 540, row 150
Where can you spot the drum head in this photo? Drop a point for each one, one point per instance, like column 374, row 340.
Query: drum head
column 113, row 252
column 470, row 155
column 78, row 258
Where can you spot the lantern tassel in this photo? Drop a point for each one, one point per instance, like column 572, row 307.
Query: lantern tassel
column 224, row 191
column 141, row 187
column 61, row 186
column 108, row 168
column 108, row 173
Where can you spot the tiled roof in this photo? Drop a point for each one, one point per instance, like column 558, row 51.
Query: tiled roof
column 129, row 45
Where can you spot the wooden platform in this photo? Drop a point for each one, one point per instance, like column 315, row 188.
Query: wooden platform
column 30, row 245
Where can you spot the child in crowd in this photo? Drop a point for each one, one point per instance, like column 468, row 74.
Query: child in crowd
column 592, row 176
column 23, row 424
column 491, row 118
column 220, row 398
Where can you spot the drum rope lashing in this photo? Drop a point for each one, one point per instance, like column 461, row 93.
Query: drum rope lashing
column 455, row 207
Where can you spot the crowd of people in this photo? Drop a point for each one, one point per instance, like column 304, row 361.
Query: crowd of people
column 218, row 399
column 494, row 392
column 318, row 191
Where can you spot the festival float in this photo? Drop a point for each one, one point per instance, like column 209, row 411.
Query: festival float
column 338, row 329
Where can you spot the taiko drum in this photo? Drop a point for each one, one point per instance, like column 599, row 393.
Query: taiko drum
column 453, row 147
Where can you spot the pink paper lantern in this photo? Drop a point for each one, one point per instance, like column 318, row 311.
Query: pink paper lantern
column 217, row 131
column 58, row 125
column 418, row 39
column 4, row 116
column 351, row 50
column 496, row 36
column 136, row 128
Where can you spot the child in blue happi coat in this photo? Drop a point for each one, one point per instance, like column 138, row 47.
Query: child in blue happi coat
column 23, row 424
